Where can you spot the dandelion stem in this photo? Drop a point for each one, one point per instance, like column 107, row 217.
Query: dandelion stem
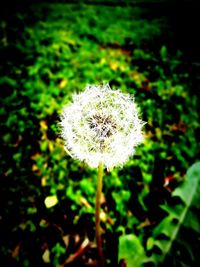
column 97, row 215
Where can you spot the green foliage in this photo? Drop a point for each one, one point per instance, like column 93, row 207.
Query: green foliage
column 58, row 251
column 181, row 215
column 131, row 250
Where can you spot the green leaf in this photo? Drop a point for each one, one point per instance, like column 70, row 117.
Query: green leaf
column 181, row 215
column 164, row 53
column 189, row 192
column 121, row 198
column 131, row 250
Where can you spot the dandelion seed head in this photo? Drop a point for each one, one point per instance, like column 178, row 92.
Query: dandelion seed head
column 101, row 125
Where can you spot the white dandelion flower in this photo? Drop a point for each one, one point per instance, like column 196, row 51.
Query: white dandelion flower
column 101, row 125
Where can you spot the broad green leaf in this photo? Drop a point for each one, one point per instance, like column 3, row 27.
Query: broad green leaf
column 181, row 215
column 131, row 250
column 189, row 189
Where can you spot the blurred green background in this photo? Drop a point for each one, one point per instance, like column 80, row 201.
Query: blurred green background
column 150, row 207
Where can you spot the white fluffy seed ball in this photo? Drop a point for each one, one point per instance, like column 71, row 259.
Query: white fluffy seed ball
column 101, row 125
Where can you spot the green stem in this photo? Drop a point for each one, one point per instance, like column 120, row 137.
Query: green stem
column 97, row 215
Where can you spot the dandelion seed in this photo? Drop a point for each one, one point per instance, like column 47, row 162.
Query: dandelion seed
column 101, row 125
